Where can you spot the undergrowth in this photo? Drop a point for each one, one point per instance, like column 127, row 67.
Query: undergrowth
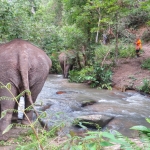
column 145, row 87
column 95, row 75
column 146, row 64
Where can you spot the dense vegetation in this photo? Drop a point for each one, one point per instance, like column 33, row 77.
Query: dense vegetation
column 56, row 25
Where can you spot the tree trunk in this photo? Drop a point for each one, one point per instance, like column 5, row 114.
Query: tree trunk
column 116, row 42
column 97, row 34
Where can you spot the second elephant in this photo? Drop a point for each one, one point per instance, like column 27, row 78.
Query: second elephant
column 67, row 61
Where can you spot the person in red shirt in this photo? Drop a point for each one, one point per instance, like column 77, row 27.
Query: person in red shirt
column 138, row 45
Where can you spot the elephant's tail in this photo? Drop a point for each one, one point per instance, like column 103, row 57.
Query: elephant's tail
column 24, row 71
column 24, row 67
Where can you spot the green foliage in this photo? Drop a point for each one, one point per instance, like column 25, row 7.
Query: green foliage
column 81, row 76
column 97, row 76
column 102, row 77
column 126, row 50
column 99, row 140
column 146, row 64
column 7, row 128
column 145, row 87
column 137, row 17
column 56, row 66
column 101, row 51
column 144, row 134
column 73, row 37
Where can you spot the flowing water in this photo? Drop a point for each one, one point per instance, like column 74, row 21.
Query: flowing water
column 128, row 108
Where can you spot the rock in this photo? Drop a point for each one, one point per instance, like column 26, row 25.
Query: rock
column 78, row 132
column 88, row 102
column 94, row 121
column 61, row 92
column 43, row 107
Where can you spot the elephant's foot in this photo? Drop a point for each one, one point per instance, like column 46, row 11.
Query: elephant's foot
column 14, row 119
column 25, row 122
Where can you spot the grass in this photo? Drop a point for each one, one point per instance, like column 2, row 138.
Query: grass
column 146, row 64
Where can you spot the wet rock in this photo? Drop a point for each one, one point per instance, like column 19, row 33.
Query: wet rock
column 44, row 107
column 93, row 121
column 61, row 92
column 87, row 102
column 78, row 132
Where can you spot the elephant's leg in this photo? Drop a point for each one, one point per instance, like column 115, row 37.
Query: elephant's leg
column 15, row 114
column 0, row 109
column 7, row 104
column 35, row 90
column 62, row 68
column 66, row 71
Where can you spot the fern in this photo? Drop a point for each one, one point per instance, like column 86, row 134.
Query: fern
column 7, row 128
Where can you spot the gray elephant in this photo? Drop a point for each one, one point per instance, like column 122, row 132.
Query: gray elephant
column 67, row 61
column 25, row 67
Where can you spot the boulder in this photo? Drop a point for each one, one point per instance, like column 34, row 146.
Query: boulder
column 93, row 121
column 87, row 102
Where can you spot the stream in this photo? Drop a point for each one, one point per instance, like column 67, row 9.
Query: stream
column 128, row 108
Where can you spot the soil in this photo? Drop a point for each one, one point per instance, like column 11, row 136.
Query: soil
column 128, row 73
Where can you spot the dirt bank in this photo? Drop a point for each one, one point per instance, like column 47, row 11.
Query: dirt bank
column 128, row 73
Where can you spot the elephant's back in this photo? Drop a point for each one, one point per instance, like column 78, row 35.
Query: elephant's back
column 62, row 56
column 16, row 53
column 12, row 50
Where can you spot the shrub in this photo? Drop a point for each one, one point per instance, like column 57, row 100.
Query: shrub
column 56, row 66
column 137, row 18
column 100, row 52
column 146, row 64
column 126, row 50
column 95, row 75
column 144, row 134
column 81, row 76
column 145, row 87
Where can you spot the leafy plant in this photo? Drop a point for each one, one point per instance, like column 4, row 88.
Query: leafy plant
column 126, row 50
column 95, row 75
column 146, row 64
column 56, row 66
column 144, row 134
column 81, row 76
column 146, row 86
column 100, row 52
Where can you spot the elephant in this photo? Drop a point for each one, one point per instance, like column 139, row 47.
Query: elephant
column 67, row 60
column 25, row 67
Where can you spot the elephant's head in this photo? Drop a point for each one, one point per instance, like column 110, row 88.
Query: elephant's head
column 67, row 61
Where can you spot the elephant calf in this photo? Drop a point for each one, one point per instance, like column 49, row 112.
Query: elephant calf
column 67, row 61
column 25, row 67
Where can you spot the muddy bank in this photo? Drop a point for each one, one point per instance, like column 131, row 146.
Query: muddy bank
column 128, row 74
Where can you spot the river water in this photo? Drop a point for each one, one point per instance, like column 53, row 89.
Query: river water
column 128, row 108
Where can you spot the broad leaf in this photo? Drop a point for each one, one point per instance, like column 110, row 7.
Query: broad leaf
column 141, row 128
